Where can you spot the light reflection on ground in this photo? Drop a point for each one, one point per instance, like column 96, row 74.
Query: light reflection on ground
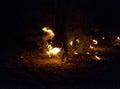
column 53, row 69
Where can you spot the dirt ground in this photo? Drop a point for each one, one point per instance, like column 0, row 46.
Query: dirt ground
column 53, row 70
column 38, row 72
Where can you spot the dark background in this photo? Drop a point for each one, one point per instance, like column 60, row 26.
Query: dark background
column 19, row 18
column 16, row 15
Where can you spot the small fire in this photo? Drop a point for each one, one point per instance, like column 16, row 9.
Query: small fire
column 55, row 50
column 98, row 58
column 91, row 47
column 77, row 40
column 95, row 42
column 49, row 36
column 52, row 51
column 71, row 43
column 75, row 53
column 87, row 53
column 49, row 31
column 118, row 38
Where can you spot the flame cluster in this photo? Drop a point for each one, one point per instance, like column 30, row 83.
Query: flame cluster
column 50, row 50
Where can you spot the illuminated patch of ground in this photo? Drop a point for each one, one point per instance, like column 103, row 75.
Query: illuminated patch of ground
column 53, row 69
column 98, row 48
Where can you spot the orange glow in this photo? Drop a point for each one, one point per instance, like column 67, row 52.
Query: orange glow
column 52, row 51
column 91, row 47
column 75, row 53
column 49, row 31
column 77, row 40
column 50, row 34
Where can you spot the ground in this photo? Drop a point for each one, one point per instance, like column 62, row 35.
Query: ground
column 37, row 72
column 53, row 69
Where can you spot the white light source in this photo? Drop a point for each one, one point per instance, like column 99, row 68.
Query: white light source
column 71, row 43
column 95, row 42
column 118, row 38
column 103, row 38
column 98, row 58
column 55, row 50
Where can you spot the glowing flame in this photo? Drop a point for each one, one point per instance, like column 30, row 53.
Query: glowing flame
column 95, row 42
column 75, row 53
column 52, row 51
column 98, row 58
column 55, row 50
column 71, row 43
column 50, row 34
column 118, row 38
column 49, row 31
column 91, row 47
column 103, row 38
column 77, row 40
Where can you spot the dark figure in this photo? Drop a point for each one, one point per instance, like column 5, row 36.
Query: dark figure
column 75, row 41
column 65, row 52
column 74, row 44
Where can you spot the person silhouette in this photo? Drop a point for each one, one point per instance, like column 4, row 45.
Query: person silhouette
column 65, row 51
column 74, row 44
